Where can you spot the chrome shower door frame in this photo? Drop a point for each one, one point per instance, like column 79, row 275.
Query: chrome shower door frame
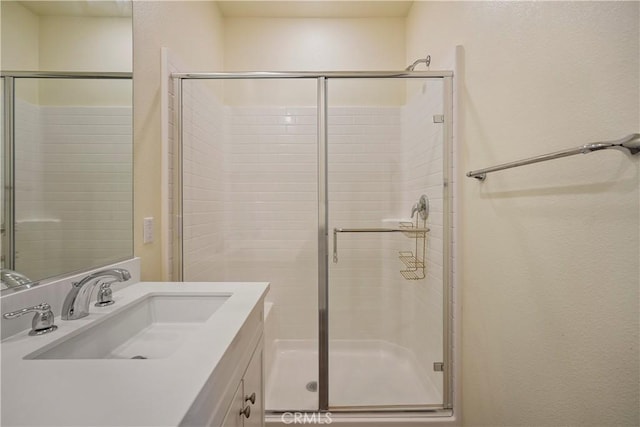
column 8, row 249
column 322, row 78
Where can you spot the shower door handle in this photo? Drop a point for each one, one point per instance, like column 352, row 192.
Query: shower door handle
column 370, row 230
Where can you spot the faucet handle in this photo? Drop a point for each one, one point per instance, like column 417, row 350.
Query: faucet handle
column 42, row 321
column 422, row 207
column 105, row 295
column 414, row 209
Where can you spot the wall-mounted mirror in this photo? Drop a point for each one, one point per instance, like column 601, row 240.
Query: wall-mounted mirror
column 67, row 149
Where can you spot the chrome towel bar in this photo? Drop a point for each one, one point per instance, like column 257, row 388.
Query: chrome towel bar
column 629, row 144
column 370, row 230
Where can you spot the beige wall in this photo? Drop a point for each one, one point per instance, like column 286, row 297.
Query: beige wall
column 67, row 43
column 193, row 32
column 85, row 43
column 21, row 27
column 20, row 37
column 550, row 251
column 309, row 44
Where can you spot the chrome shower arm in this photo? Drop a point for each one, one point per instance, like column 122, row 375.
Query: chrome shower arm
column 426, row 61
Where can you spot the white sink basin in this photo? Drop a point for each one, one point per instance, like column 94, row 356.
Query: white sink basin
column 152, row 328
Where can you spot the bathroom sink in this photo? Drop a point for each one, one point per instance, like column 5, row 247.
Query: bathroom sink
column 194, row 335
column 151, row 328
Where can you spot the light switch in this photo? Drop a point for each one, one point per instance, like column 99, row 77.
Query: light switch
column 147, row 230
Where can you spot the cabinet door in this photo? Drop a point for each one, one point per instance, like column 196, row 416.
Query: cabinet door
column 233, row 418
column 253, row 384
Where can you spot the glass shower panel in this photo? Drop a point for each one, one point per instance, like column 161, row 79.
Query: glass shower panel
column 250, row 213
column 385, row 150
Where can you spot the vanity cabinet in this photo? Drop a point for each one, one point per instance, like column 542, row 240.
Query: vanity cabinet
column 247, row 405
column 231, row 387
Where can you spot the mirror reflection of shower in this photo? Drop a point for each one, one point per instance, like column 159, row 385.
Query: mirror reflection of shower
column 68, row 196
column 67, row 139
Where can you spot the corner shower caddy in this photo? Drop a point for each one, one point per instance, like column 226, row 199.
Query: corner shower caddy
column 414, row 261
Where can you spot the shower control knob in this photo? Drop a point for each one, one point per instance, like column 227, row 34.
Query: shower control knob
column 246, row 411
column 251, row 398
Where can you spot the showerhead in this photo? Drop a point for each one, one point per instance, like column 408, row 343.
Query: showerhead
column 426, row 61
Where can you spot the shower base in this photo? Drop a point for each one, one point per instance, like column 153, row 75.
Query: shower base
column 361, row 373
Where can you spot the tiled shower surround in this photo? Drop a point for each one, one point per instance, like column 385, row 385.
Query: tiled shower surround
column 250, row 213
column 73, row 187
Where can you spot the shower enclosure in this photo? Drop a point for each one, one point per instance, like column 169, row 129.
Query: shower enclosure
column 335, row 188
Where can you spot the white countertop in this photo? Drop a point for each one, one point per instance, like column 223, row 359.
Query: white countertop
column 120, row 392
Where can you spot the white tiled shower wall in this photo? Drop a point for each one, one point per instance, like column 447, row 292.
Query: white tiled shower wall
column 250, row 202
column 271, row 209
column 73, row 187
column 364, row 171
column 203, row 184
column 251, row 191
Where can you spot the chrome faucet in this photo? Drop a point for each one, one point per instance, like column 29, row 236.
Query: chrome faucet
column 76, row 304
